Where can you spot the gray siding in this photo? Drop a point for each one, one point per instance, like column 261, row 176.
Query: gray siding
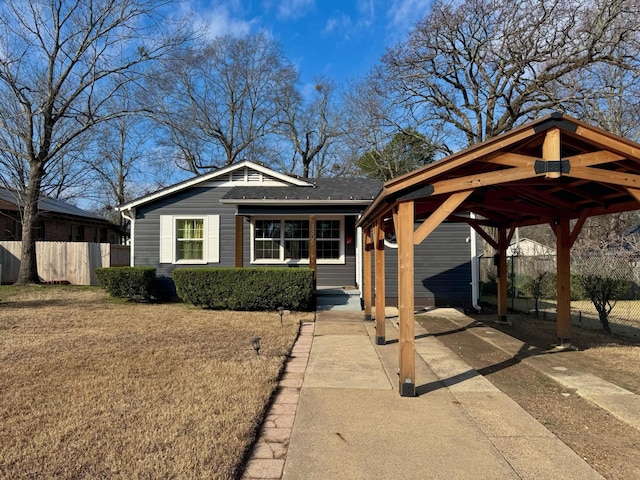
column 195, row 201
column 328, row 275
column 442, row 268
column 206, row 201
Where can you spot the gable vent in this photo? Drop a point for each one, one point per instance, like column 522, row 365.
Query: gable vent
column 238, row 175
column 253, row 176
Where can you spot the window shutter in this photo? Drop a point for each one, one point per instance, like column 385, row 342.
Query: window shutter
column 213, row 239
column 166, row 239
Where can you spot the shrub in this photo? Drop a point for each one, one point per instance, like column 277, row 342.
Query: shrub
column 134, row 283
column 246, row 288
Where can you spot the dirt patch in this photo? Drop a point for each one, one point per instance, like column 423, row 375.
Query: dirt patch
column 606, row 443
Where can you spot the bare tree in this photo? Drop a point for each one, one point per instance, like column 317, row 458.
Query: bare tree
column 61, row 61
column 311, row 127
column 219, row 100
column 603, row 271
column 482, row 66
column 122, row 162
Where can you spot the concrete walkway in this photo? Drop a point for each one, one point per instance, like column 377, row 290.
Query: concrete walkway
column 349, row 421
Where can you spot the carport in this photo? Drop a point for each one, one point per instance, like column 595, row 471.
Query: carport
column 555, row 170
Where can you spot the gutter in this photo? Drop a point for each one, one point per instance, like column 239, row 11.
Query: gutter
column 132, row 223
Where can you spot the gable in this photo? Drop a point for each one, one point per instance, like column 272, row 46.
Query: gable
column 242, row 174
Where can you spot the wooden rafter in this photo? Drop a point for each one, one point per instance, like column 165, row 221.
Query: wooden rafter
column 628, row 180
column 437, row 217
column 594, row 158
column 496, row 177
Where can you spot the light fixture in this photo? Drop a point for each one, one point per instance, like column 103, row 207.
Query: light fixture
column 281, row 312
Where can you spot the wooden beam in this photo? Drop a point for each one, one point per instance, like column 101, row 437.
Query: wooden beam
column 312, row 247
column 366, row 273
column 628, row 180
column 436, row 218
column 239, row 241
column 576, row 230
column 482, row 232
column 563, row 261
column 594, row 158
column 551, row 150
column 502, row 273
column 404, row 234
column 405, row 181
column 496, row 177
column 378, row 240
column 513, row 160
column 635, row 193
column 616, row 145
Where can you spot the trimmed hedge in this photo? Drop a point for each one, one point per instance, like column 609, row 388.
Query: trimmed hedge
column 135, row 283
column 246, row 288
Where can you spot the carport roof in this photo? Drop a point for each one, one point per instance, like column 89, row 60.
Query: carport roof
column 519, row 178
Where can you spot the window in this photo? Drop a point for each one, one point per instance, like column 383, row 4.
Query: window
column 267, row 239
column 287, row 240
column 189, row 240
column 296, row 239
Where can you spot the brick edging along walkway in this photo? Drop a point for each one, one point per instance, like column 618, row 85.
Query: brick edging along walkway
column 270, row 451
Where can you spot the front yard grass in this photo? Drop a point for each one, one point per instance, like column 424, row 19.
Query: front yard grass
column 92, row 387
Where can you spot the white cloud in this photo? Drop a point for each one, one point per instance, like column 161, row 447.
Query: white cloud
column 224, row 18
column 339, row 25
column 404, row 14
column 292, row 9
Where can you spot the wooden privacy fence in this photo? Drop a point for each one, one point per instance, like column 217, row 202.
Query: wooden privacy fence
column 59, row 262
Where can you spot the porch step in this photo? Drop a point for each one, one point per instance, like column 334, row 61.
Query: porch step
column 345, row 299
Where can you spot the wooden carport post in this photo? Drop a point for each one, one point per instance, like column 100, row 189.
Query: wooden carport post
column 406, row 299
column 366, row 273
column 563, row 295
column 378, row 239
column 502, row 273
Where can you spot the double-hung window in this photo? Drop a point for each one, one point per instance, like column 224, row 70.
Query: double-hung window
column 189, row 239
column 287, row 240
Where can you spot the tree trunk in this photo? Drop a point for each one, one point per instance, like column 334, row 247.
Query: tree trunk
column 604, row 320
column 28, row 272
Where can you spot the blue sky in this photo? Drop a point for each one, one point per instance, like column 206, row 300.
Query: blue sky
column 342, row 40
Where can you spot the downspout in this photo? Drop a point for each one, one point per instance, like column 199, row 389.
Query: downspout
column 132, row 223
column 475, row 270
column 359, row 260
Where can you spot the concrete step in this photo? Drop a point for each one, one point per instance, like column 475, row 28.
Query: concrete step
column 338, row 299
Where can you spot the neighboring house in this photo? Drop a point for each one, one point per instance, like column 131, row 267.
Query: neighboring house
column 526, row 247
column 57, row 222
column 248, row 215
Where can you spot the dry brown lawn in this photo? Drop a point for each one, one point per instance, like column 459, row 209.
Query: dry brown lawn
column 92, row 387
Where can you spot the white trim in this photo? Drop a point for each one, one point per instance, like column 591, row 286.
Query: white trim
column 132, row 229
column 209, row 176
column 290, row 201
column 212, row 235
column 167, row 235
column 210, row 241
column 283, row 261
column 359, row 256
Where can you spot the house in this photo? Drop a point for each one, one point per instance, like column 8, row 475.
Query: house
column 58, row 222
column 529, row 248
column 249, row 215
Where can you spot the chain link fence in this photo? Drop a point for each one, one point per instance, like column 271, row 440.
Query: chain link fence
column 532, row 289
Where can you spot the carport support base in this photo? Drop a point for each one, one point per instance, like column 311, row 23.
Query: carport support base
column 407, row 389
column 380, row 340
